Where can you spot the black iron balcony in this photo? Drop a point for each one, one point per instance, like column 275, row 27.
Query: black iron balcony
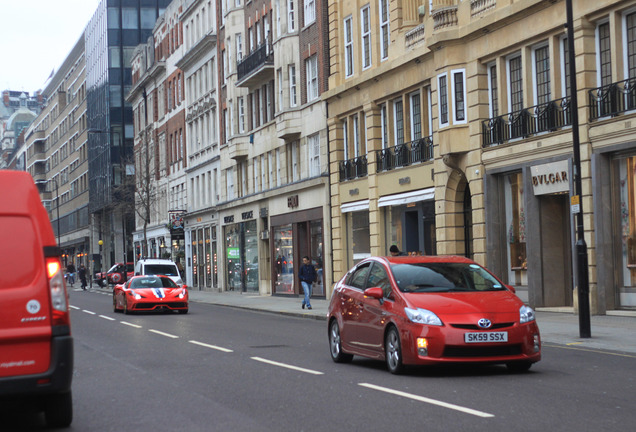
column 406, row 154
column 613, row 99
column 546, row 117
column 259, row 60
column 353, row 168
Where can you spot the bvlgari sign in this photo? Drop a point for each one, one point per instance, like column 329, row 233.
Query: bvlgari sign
column 551, row 178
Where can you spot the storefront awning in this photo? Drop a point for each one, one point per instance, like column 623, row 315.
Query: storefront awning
column 355, row 206
column 407, row 197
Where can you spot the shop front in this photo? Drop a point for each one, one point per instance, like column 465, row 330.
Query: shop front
column 409, row 221
column 293, row 236
column 241, row 255
column 202, row 262
column 532, row 199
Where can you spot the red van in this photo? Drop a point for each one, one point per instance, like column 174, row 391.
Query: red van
column 36, row 347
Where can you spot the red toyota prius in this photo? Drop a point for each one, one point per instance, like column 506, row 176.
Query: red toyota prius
column 150, row 293
column 430, row 310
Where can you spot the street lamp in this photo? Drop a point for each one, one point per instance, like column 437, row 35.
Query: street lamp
column 581, row 247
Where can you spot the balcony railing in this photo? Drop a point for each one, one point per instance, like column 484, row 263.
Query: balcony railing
column 613, row 99
column 353, row 168
column 546, row 117
column 261, row 56
column 406, row 154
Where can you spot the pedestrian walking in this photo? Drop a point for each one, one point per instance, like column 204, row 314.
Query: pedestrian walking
column 82, row 276
column 307, row 276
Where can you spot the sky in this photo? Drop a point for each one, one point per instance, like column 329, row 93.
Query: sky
column 35, row 38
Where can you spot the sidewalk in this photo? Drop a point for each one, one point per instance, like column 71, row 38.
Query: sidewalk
column 609, row 332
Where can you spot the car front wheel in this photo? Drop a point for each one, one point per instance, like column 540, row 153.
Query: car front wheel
column 393, row 351
column 519, row 367
column 335, row 344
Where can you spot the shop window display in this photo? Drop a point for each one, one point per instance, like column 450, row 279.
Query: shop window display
column 626, row 171
column 516, row 228
column 284, row 261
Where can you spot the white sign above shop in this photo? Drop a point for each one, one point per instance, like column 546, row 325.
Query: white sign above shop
column 551, row 178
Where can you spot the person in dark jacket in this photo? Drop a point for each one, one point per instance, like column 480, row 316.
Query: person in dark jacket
column 307, row 276
column 82, row 276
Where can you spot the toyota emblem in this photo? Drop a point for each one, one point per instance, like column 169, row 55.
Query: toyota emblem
column 484, row 323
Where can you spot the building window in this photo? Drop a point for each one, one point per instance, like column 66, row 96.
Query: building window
column 356, row 136
column 310, row 11
column 279, row 79
column 398, row 116
column 358, row 235
column 348, row 45
column 311, row 67
column 542, row 75
column 313, row 144
column 241, row 114
column 229, row 173
column 630, row 33
column 493, row 91
column 345, row 139
column 515, row 74
column 291, row 18
column 604, row 55
column 624, row 169
column 292, row 86
column 416, row 117
column 384, row 29
column 365, row 25
column 385, row 126
column 565, row 65
column 239, row 47
column 443, row 100
column 459, row 97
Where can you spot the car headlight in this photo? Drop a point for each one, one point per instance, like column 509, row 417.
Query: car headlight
column 183, row 293
column 526, row 314
column 134, row 295
column 422, row 316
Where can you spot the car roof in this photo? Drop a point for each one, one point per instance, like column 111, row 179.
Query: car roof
column 425, row 259
column 156, row 261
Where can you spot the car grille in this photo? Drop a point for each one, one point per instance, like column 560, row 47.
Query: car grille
column 482, row 351
column 167, row 304
column 476, row 327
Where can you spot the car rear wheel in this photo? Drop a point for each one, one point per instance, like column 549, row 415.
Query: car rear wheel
column 519, row 367
column 335, row 344
column 183, row 311
column 393, row 351
column 58, row 410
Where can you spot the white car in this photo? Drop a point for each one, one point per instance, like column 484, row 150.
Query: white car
column 155, row 266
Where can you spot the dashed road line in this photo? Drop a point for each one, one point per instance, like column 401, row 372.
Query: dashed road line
column 130, row 324
column 107, row 318
column 428, row 400
column 164, row 334
column 284, row 365
column 88, row 312
column 73, row 307
column 218, row 348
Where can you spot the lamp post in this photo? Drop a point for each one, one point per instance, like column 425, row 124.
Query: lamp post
column 581, row 247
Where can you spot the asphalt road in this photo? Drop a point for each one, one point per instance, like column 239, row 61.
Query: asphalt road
column 224, row 369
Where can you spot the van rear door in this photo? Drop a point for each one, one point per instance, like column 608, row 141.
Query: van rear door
column 25, row 311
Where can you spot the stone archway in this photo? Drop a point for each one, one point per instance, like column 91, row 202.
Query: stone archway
column 456, row 210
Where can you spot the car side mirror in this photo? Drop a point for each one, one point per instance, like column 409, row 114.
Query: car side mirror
column 511, row 288
column 376, row 293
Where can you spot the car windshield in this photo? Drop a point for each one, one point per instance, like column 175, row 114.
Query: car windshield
column 161, row 269
column 444, row 277
column 152, row 282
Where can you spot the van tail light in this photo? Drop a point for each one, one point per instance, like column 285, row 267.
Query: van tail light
column 59, row 298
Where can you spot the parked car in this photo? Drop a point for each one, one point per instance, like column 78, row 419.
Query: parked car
column 116, row 274
column 155, row 266
column 36, row 346
column 430, row 310
column 150, row 293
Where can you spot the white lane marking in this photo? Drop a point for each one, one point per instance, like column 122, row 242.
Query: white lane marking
column 427, row 400
column 88, row 312
column 73, row 307
column 107, row 318
column 130, row 324
column 211, row 346
column 309, row 371
column 163, row 334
